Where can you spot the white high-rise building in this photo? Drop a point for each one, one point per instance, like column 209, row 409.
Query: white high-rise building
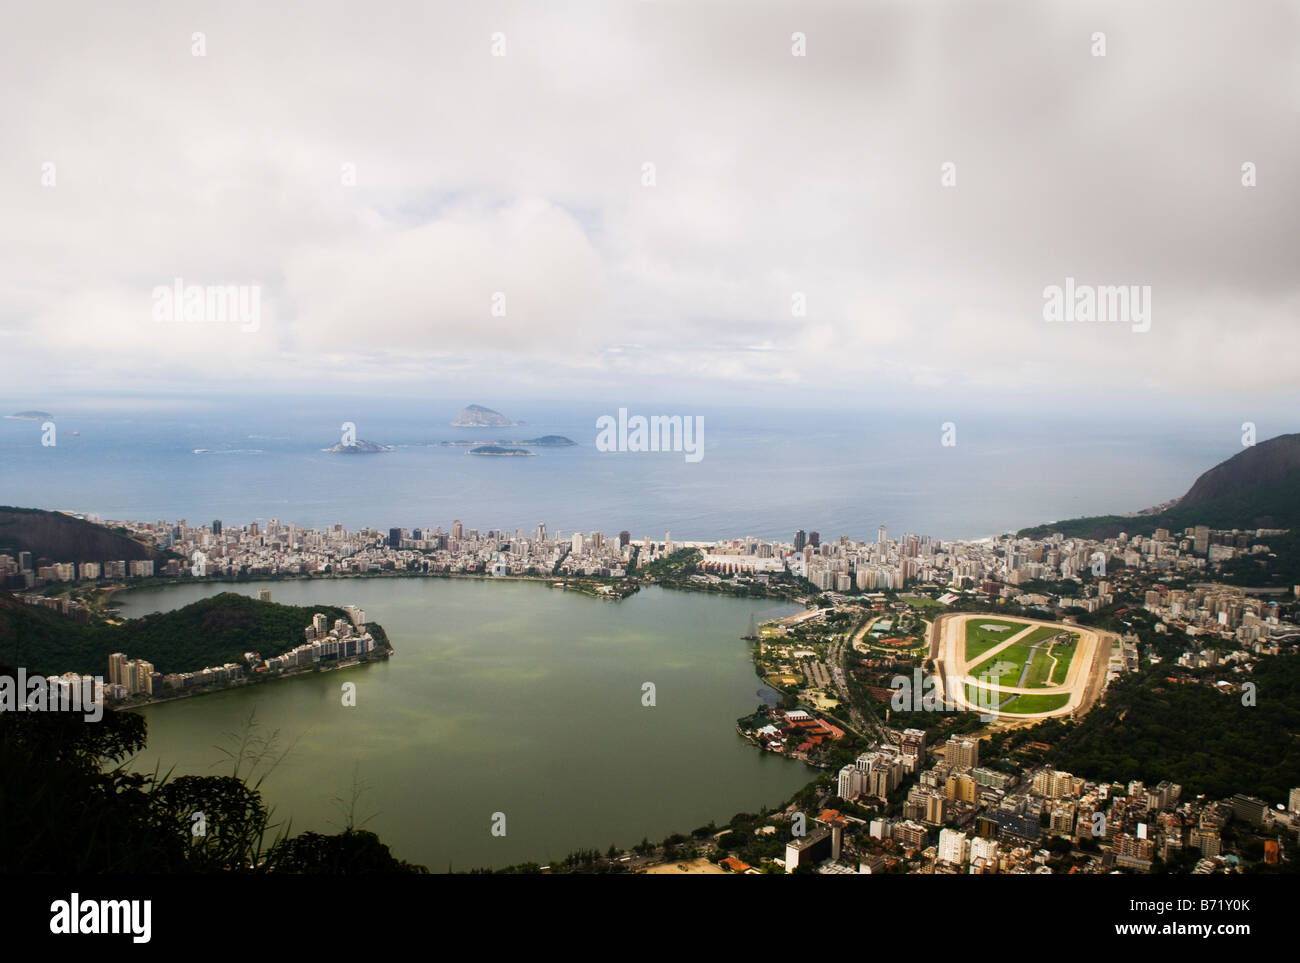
column 953, row 847
column 985, row 849
column 143, row 677
column 852, row 782
column 117, row 676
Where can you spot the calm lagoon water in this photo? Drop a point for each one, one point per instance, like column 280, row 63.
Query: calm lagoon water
column 504, row 697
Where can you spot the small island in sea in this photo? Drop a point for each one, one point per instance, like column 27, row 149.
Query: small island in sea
column 498, row 450
column 31, row 415
column 546, row 441
column 476, row 416
column 358, row 447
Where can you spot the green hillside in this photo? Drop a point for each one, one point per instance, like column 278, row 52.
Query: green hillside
column 1258, row 487
column 1202, row 739
column 208, row 632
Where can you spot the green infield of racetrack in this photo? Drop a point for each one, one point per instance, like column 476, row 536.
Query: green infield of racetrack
column 1042, row 632
column 979, row 641
column 1064, row 656
column 1038, row 669
column 1019, row 705
column 973, row 697
column 1043, row 665
column 1012, row 657
column 1026, row 704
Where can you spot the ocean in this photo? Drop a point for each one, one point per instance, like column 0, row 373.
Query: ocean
column 763, row 473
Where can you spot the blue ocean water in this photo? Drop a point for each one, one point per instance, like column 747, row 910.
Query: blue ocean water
column 764, row 473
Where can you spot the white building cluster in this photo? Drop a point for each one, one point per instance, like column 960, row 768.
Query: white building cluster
column 344, row 639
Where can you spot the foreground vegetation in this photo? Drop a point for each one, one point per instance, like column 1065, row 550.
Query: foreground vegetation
column 71, row 806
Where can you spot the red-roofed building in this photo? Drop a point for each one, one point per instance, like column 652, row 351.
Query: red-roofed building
column 835, row 732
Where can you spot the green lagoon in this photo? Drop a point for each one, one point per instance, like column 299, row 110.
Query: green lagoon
column 503, row 696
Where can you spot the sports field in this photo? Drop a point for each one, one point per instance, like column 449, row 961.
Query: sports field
column 1006, row 666
column 1064, row 655
column 983, row 634
column 1027, row 704
column 980, row 697
column 1015, row 668
column 1023, row 704
column 1052, row 661
column 1040, row 633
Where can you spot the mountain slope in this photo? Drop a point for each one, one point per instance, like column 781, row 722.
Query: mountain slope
column 1259, row 487
column 57, row 537
column 1258, row 483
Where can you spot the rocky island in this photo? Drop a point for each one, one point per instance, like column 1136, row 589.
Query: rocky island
column 546, row 441
column 498, row 450
column 31, row 415
column 358, row 447
column 476, row 416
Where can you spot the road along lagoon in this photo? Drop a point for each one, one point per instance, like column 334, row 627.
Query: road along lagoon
column 508, row 697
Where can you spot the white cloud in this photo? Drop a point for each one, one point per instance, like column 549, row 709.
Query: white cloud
column 775, row 175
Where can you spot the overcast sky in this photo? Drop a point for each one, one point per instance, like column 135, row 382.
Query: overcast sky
column 775, row 176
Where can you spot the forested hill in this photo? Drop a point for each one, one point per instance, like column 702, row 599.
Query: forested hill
column 208, row 632
column 1206, row 741
column 1259, row 487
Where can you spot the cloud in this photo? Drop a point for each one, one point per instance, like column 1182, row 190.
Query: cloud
column 522, row 277
column 775, row 176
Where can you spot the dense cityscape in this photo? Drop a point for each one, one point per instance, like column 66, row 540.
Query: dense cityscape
column 837, row 438
column 890, row 802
